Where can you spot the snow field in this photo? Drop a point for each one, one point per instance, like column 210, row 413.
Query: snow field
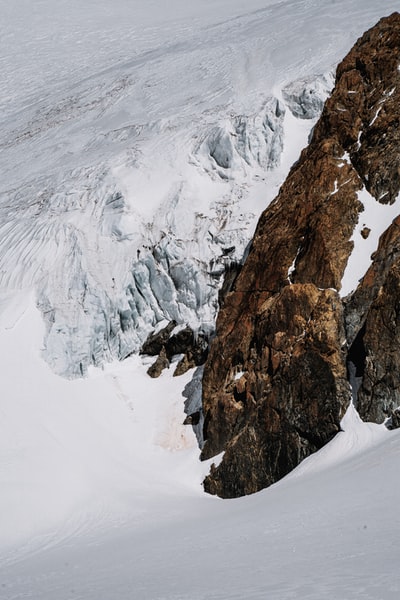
column 85, row 451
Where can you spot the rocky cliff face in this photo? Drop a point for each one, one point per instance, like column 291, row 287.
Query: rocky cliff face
column 277, row 380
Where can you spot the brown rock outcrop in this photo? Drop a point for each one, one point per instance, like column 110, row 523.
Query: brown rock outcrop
column 275, row 384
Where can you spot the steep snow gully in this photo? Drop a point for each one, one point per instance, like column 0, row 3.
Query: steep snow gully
column 140, row 142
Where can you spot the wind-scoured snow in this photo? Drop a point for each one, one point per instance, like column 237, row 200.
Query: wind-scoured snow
column 139, row 144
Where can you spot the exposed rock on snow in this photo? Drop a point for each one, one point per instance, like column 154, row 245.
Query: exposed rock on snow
column 159, row 365
column 157, row 340
column 282, row 327
column 193, row 404
column 275, row 415
column 171, row 341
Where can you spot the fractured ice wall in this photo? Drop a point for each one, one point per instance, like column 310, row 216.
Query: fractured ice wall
column 106, row 277
column 113, row 251
column 305, row 97
column 255, row 140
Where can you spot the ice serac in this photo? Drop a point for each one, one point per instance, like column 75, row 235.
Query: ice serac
column 275, row 384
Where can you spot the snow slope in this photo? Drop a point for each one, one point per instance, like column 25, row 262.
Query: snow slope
column 101, row 496
column 80, row 452
column 130, row 157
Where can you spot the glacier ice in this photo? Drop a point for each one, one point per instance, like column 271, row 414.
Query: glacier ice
column 115, row 247
column 139, row 195
column 244, row 141
column 305, row 97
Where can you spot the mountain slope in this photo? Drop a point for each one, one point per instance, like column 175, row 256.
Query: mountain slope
column 108, row 113
column 111, row 167
column 277, row 380
column 118, row 509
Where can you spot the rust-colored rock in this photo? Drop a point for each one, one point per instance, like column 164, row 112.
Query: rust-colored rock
column 364, row 108
column 275, row 384
column 379, row 393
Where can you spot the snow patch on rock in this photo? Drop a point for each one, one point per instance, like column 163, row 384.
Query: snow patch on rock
column 375, row 219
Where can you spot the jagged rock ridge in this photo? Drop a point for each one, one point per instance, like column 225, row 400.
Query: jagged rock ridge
column 276, row 383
